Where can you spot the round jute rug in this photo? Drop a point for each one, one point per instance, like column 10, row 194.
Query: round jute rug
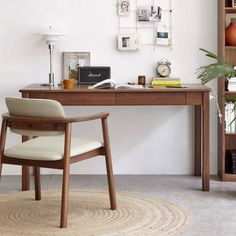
column 89, row 214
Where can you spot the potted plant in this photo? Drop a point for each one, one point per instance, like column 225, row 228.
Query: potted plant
column 220, row 68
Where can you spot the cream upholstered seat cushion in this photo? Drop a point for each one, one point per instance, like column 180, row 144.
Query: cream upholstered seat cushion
column 50, row 148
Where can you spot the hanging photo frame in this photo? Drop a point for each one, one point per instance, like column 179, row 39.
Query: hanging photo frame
column 149, row 13
column 128, row 42
column 123, row 7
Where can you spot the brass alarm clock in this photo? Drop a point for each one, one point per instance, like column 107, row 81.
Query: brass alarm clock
column 163, row 68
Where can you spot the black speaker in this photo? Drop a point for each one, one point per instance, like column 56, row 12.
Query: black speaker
column 93, row 74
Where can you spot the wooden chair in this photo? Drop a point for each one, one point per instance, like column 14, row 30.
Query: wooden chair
column 52, row 145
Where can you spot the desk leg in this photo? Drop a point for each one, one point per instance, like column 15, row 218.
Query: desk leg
column 25, row 169
column 25, row 172
column 198, row 144
column 206, row 143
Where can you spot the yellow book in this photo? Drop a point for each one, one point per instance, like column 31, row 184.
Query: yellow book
column 165, row 83
column 166, row 78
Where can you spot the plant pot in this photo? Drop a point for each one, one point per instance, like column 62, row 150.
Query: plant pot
column 230, row 33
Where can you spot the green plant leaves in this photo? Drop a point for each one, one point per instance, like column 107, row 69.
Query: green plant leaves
column 212, row 71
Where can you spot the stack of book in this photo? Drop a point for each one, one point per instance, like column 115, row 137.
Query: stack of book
column 167, row 81
column 232, row 84
column 230, row 123
column 230, row 162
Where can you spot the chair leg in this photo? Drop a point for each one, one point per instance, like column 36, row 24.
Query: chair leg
column 111, row 184
column 2, row 142
column 37, row 184
column 110, row 178
column 0, row 170
column 64, row 198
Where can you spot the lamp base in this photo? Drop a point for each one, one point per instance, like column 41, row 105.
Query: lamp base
column 51, row 81
column 50, row 85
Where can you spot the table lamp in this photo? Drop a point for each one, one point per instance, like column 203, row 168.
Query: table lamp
column 50, row 39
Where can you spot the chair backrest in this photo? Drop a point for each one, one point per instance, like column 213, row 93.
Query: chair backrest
column 35, row 108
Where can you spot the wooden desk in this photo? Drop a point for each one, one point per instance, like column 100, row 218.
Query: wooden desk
column 194, row 94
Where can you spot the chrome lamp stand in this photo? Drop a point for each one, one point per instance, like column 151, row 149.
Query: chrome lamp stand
column 51, row 38
column 51, row 74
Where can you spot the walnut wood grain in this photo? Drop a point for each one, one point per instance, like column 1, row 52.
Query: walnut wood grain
column 66, row 173
column 192, row 94
column 28, row 121
column 25, row 171
column 110, row 178
column 228, row 53
column 25, row 182
column 2, row 142
column 64, row 164
column 150, row 98
column 37, row 183
column 198, row 140
column 206, row 143
column 194, row 98
column 37, row 90
column 83, row 99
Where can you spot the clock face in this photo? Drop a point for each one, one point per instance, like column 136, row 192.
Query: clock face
column 163, row 70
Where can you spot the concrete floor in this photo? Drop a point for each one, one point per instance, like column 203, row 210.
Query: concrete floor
column 213, row 213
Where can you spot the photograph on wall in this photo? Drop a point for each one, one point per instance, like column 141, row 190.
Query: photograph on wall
column 162, row 35
column 162, row 38
column 143, row 13
column 128, row 42
column 71, row 62
column 149, row 13
column 155, row 14
column 123, row 7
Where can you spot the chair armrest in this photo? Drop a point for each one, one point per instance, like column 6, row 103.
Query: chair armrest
column 102, row 115
column 33, row 119
column 53, row 120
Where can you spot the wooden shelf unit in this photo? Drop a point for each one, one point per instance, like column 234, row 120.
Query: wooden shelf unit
column 230, row 10
column 230, row 134
column 230, row 93
column 230, row 47
column 230, row 177
column 226, row 141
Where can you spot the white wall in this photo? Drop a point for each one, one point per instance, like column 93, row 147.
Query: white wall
column 145, row 140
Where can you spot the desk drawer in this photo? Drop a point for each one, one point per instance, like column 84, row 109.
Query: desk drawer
column 83, row 98
column 194, row 99
column 34, row 95
column 150, row 98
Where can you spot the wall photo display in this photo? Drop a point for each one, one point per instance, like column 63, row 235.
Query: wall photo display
column 150, row 19
column 128, row 42
column 71, row 62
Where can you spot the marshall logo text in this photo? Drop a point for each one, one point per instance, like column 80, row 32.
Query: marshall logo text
column 94, row 75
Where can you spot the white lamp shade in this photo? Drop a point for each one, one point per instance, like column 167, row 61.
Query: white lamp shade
column 51, row 38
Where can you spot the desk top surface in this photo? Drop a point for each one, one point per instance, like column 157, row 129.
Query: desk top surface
column 84, row 88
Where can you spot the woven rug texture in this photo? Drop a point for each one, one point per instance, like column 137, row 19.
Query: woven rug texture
column 89, row 214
